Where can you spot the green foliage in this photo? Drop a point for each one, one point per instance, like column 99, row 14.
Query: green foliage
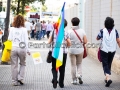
column 44, row 8
column 18, row 6
column 2, row 8
column 43, row 1
column 33, row 9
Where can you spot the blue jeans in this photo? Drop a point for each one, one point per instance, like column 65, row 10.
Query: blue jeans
column 40, row 35
column 37, row 35
column 43, row 33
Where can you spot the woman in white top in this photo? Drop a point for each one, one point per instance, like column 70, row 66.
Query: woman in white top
column 33, row 29
column 76, row 50
column 19, row 37
column 110, row 37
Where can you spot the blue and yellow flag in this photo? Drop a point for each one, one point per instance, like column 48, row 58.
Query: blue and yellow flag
column 58, row 50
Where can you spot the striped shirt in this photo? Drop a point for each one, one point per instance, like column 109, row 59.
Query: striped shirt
column 64, row 44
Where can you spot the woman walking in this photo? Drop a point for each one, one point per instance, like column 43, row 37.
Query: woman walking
column 110, row 37
column 66, row 43
column 19, row 36
column 76, row 50
column 33, row 29
column 43, row 29
column 49, row 28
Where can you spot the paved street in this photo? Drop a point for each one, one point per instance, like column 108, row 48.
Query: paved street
column 38, row 77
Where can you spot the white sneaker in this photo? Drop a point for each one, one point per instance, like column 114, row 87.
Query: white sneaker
column 15, row 84
column 74, row 82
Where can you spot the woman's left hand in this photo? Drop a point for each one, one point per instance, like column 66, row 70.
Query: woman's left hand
column 28, row 53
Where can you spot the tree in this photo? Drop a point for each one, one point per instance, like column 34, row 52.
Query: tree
column 43, row 1
column 5, row 37
column 33, row 9
column 21, row 5
column 44, row 8
column 7, row 21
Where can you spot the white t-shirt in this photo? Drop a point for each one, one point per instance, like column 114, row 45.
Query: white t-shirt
column 33, row 27
column 18, row 35
column 28, row 25
column 76, row 45
column 49, row 27
column 109, row 43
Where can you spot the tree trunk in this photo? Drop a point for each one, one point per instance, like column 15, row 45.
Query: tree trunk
column 7, row 19
column 23, row 7
column 18, row 7
column 5, row 37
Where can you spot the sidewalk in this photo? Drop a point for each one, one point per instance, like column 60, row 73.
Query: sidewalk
column 38, row 77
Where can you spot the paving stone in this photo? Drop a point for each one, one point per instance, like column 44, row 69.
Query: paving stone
column 38, row 77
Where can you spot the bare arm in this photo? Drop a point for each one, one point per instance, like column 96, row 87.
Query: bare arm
column 35, row 26
column 50, row 40
column 84, row 39
column 118, row 41
column 68, row 42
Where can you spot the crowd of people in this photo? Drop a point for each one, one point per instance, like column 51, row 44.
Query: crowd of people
column 38, row 29
column 21, row 31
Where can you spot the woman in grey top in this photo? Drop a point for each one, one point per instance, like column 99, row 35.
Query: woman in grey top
column 76, row 50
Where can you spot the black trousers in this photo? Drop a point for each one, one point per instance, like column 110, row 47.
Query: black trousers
column 32, row 34
column 48, row 34
column 61, row 70
column 107, row 59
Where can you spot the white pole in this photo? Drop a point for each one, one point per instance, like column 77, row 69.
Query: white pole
column 40, row 10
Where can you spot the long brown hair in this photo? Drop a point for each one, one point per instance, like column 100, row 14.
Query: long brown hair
column 18, row 21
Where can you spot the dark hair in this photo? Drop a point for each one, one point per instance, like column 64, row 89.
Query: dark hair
column 75, row 21
column 65, row 23
column 33, row 22
column 109, row 23
column 18, row 21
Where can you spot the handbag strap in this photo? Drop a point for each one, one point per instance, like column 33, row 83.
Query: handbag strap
column 52, row 39
column 53, row 36
column 77, row 35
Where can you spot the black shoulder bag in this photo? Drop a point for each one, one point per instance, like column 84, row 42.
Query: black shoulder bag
column 49, row 56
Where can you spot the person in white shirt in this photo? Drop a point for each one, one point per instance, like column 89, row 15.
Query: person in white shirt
column 49, row 28
column 33, row 29
column 28, row 26
column 109, row 37
column 19, row 37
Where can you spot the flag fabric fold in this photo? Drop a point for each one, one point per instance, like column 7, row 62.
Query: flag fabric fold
column 58, row 50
